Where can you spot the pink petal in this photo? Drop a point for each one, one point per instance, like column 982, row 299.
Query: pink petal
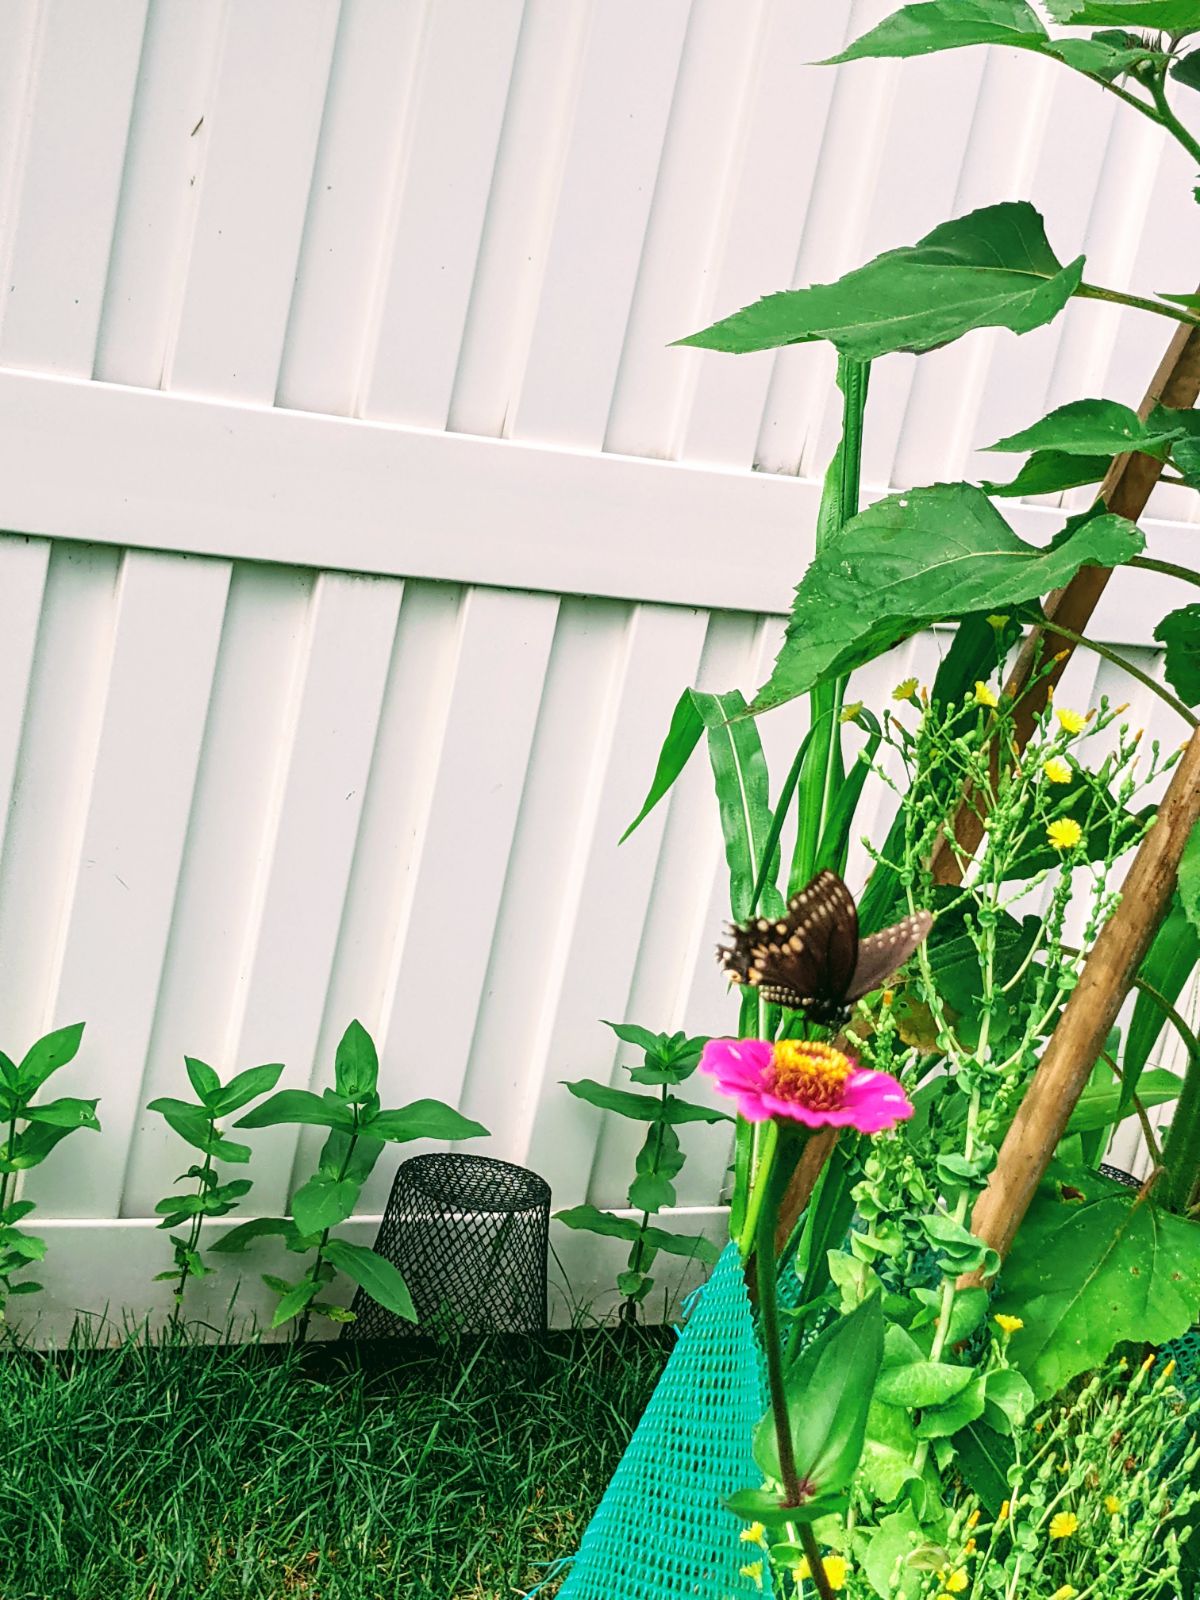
column 874, row 1101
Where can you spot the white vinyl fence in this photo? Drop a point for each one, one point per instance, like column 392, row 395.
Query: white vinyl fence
column 363, row 529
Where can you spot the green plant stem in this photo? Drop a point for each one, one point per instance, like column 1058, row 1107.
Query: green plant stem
column 1168, row 568
column 1093, row 291
column 747, row 1238
column 306, row 1314
column 1169, row 120
column 824, row 766
column 816, row 1566
column 1118, row 660
column 768, row 1305
column 8, row 1152
column 629, row 1309
column 196, row 1223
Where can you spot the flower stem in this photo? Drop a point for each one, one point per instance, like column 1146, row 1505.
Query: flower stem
column 816, row 1567
column 749, row 1234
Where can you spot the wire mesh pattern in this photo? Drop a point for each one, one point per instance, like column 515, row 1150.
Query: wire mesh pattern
column 662, row 1530
column 470, row 1236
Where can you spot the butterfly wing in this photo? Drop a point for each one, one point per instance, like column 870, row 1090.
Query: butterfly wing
column 884, row 952
column 804, row 958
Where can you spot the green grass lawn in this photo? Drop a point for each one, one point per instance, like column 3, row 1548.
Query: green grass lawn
column 210, row 1474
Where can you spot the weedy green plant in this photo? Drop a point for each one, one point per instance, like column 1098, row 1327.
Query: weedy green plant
column 1100, row 1498
column 667, row 1061
column 31, row 1130
column 196, row 1124
column 359, row 1128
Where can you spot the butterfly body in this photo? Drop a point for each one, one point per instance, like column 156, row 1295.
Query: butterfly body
column 811, row 959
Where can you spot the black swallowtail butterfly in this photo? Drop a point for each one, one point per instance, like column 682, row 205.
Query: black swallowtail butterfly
column 812, row 959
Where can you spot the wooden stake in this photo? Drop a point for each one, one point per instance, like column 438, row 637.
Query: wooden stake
column 1090, row 1012
column 1125, row 490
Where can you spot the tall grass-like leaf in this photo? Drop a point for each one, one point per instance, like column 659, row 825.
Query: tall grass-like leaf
column 915, row 559
column 991, row 269
column 739, row 771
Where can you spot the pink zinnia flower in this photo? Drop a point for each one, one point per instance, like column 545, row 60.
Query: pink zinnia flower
column 807, row 1082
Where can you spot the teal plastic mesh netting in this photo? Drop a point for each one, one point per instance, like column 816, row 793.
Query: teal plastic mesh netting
column 662, row 1530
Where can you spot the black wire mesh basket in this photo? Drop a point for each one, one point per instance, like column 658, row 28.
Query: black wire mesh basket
column 470, row 1236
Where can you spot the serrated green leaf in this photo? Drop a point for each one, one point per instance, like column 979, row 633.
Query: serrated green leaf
column 1091, row 428
column 356, row 1065
column 915, row 559
column 1179, row 631
column 1048, row 471
column 423, row 1119
column 375, row 1276
column 917, row 30
column 1173, row 16
column 992, row 268
column 1086, row 1275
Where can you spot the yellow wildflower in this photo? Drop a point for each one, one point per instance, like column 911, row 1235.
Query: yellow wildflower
column 969, row 1548
column 1111, row 1504
column 1169, row 1368
column 754, row 1571
column 1065, row 1591
column 1064, row 834
column 958, row 1580
column 754, row 1534
column 1003, row 1513
column 1008, row 1324
column 1057, row 770
column 973, row 1519
column 1070, row 721
column 850, row 713
column 1149, row 1361
column 1063, row 1524
column 906, row 690
column 984, row 695
column 837, row 1569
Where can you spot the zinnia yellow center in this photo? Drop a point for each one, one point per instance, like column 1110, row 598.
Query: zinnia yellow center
column 812, row 1074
